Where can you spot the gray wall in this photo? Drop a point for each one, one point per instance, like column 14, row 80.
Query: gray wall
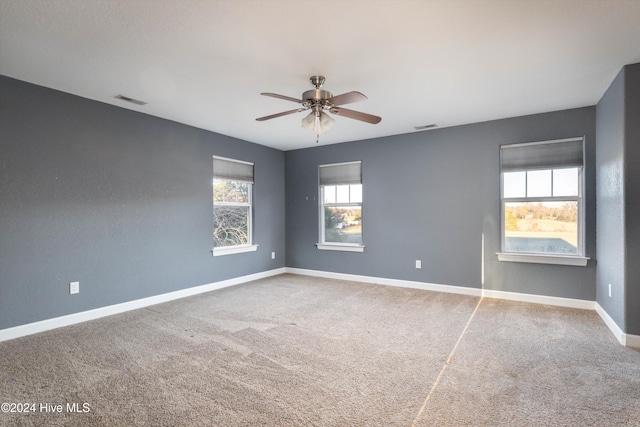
column 118, row 200
column 618, row 199
column 632, row 198
column 610, row 200
column 121, row 201
column 432, row 196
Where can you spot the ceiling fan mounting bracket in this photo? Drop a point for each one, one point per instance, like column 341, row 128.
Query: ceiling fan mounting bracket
column 317, row 81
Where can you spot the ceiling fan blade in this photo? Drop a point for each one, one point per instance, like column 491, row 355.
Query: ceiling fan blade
column 364, row 117
column 284, row 113
column 347, row 98
column 286, row 98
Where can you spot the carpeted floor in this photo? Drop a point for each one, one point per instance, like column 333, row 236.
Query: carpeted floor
column 299, row 351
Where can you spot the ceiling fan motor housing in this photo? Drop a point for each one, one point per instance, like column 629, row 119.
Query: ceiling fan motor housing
column 316, row 95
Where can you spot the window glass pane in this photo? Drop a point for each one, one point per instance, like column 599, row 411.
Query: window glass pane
column 539, row 183
column 218, row 190
column 342, row 193
column 231, row 225
column 329, row 193
column 241, row 191
column 546, row 228
column 515, row 184
column 343, row 224
column 565, row 182
column 356, row 193
column 225, row 190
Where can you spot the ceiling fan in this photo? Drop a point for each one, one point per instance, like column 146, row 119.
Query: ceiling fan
column 318, row 100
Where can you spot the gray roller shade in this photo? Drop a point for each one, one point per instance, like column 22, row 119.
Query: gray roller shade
column 232, row 169
column 341, row 173
column 542, row 155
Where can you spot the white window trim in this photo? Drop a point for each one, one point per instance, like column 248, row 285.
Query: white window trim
column 249, row 225
column 335, row 246
column 525, row 257
column 533, row 258
column 229, row 250
column 250, row 247
column 229, row 159
column 346, row 247
column 353, row 162
column 579, row 261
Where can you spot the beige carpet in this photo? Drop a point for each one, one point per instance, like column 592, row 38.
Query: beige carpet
column 299, row 351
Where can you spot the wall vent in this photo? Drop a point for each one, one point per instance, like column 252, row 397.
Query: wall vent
column 425, row 127
column 131, row 100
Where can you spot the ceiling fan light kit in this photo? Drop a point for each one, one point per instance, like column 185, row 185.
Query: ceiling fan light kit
column 318, row 122
column 318, row 100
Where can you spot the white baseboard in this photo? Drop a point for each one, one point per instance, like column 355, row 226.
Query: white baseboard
column 625, row 339
column 388, row 282
column 71, row 319
column 632, row 341
column 611, row 324
column 540, row 299
column 477, row 292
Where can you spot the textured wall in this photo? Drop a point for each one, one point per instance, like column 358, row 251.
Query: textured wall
column 610, row 200
column 618, row 199
column 118, row 200
column 121, row 201
column 632, row 197
column 432, row 196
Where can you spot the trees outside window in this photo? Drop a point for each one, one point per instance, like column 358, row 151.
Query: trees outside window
column 231, row 212
column 232, row 206
column 541, row 198
column 341, row 206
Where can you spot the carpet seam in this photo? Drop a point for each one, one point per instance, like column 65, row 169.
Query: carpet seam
column 446, row 364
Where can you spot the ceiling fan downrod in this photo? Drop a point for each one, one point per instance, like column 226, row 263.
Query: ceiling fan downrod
column 317, row 81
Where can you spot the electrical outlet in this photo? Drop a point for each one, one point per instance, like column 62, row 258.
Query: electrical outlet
column 273, row 255
column 609, row 290
column 74, row 287
column 418, row 263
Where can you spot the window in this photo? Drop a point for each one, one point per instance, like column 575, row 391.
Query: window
column 541, row 202
column 341, row 207
column 232, row 206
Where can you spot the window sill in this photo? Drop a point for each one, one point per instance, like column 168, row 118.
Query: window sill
column 347, row 247
column 543, row 259
column 228, row 250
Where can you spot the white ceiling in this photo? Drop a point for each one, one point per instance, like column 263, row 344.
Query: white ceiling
column 205, row 62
